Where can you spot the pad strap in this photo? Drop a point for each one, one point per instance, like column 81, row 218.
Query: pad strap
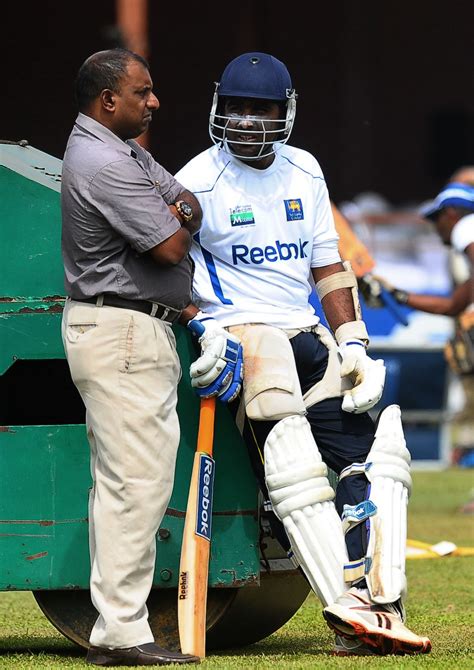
column 355, row 570
column 353, row 515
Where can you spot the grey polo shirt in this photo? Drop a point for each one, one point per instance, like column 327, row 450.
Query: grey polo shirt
column 114, row 199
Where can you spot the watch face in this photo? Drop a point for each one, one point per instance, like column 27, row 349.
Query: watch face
column 184, row 209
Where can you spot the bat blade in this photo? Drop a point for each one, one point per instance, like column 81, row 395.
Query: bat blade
column 195, row 549
column 350, row 247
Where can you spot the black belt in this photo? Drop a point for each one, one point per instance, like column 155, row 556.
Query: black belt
column 156, row 309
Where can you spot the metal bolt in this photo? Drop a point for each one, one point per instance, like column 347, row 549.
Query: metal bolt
column 164, row 533
column 166, row 575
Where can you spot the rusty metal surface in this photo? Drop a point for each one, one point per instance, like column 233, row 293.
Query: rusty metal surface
column 73, row 613
column 48, row 304
column 257, row 612
column 235, row 617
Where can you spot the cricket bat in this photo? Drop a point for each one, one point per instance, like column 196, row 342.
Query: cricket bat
column 350, row 247
column 195, row 549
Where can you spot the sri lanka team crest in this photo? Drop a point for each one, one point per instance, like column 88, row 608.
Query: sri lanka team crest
column 294, row 209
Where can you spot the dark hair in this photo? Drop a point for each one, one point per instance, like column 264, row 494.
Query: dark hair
column 104, row 69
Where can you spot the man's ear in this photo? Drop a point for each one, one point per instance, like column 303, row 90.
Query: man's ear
column 107, row 99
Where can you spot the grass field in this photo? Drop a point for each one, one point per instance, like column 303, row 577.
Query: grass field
column 440, row 605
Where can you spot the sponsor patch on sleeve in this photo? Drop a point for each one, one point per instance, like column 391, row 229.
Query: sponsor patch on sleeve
column 294, row 209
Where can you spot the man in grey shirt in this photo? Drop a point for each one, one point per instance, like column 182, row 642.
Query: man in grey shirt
column 127, row 229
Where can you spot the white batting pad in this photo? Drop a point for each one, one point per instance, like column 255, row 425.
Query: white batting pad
column 388, row 470
column 302, row 499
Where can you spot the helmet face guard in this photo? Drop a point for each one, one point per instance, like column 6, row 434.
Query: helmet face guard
column 269, row 134
column 253, row 76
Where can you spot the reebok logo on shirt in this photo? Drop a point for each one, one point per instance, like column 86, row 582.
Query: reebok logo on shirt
column 282, row 251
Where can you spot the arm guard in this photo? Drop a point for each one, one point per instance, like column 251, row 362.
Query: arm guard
column 347, row 279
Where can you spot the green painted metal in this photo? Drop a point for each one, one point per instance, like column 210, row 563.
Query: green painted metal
column 29, row 336
column 43, row 508
column 45, row 468
column 30, row 224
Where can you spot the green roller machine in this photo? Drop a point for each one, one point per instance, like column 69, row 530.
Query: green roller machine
column 44, row 455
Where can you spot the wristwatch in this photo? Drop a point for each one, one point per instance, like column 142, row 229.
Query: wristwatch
column 185, row 210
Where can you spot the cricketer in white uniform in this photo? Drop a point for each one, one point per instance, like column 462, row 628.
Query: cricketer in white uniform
column 267, row 238
column 246, row 270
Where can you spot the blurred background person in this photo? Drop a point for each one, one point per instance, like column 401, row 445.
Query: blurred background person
column 452, row 212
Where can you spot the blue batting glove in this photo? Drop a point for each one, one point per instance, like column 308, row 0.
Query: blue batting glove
column 219, row 369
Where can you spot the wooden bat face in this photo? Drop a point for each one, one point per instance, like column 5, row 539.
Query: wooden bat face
column 195, row 550
column 350, row 247
column 203, row 478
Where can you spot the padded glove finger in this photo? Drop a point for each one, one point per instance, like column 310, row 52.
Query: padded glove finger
column 368, row 392
column 227, row 386
column 218, row 371
column 211, row 362
column 232, row 391
column 353, row 368
column 217, row 386
column 367, row 377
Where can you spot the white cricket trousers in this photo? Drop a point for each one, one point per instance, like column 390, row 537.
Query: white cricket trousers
column 126, row 368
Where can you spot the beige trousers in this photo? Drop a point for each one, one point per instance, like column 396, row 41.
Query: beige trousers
column 126, row 368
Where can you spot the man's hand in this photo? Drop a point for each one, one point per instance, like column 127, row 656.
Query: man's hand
column 367, row 377
column 219, row 369
column 371, row 288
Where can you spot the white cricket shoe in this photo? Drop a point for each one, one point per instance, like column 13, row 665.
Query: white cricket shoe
column 356, row 617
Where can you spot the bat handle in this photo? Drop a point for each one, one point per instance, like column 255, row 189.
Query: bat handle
column 392, row 305
column 206, row 425
column 196, row 327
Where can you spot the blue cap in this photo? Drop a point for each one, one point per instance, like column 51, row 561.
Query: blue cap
column 452, row 195
column 256, row 75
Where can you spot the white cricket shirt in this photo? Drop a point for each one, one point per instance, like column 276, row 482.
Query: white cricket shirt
column 462, row 235
column 262, row 232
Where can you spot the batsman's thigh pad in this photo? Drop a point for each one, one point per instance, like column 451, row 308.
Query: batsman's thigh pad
column 332, row 385
column 271, row 388
column 302, row 499
column 385, row 512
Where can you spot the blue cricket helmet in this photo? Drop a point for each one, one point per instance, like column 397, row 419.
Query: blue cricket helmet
column 254, row 75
